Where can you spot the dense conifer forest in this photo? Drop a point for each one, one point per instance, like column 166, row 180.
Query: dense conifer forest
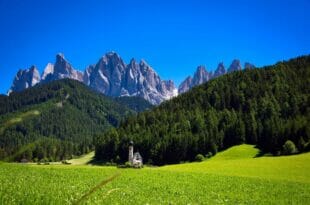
column 57, row 120
column 268, row 107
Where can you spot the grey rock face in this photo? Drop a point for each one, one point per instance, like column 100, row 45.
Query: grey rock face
column 111, row 76
column 106, row 75
column 220, row 70
column 25, row 79
column 49, row 70
column 60, row 70
column 86, row 75
column 235, row 66
column 201, row 76
column 131, row 80
column 248, row 65
column 185, row 85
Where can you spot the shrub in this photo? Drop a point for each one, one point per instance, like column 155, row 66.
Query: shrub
column 110, row 163
column 199, row 158
column 307, row 147
column 126, row 165
column 301, row 144
column 65, row 162
column 289, row 148
column 150, row 162
column 117, row 159
column 209, row 155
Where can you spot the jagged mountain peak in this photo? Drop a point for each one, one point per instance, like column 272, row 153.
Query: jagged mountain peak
column 145, row 67
column 220, row 70
column 185, row 85
column 49, row 69
column 200, row 71
column 248, row 65
column 132, row 61
column 111, row 76
column 60, row 70
column 33, row 68
column 201, row 74
column 144, row 63
column 25, row 79
column 112, row 53
column 110, row 61
column 60, row 56
column 111, row 57
column 201, row 68
column 234, row 66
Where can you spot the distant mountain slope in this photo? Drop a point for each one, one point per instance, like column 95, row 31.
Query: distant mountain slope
column 57, row 119
column 265, row 107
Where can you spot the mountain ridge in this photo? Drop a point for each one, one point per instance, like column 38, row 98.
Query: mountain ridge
column 110, row 76
column 201, row 75
column 113, row 77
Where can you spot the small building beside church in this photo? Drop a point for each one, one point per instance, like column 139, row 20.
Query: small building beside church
column 135, row 159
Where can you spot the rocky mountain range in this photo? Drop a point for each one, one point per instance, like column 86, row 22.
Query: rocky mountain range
column 110, row 76
column 25, row 79
column 60, row 70
column 202, row 75
column 113, row 77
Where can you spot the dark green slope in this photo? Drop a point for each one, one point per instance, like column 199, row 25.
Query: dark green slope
column 55, row 120
column 137, row 104
column 265, row 106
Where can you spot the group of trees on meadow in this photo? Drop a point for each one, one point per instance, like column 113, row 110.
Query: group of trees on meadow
column 266, row 107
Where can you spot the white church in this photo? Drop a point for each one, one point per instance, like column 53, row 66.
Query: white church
column 135, row 159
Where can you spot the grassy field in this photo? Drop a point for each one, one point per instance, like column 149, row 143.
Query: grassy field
column 83, row 160
column 234, row 176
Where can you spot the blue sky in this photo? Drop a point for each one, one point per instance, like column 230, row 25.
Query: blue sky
column 174, row 37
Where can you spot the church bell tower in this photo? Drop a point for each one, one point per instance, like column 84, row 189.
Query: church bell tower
column 130, row 154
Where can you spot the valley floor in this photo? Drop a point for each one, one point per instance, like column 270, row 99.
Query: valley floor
column 234, row 176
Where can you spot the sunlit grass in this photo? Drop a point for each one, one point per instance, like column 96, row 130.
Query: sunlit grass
column 234, row 176
column 83, row 160
column 242, row 161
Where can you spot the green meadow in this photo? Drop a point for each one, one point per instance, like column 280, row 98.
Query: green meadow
column 234, row 176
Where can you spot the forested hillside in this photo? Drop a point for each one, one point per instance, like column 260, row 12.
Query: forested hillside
column 137, row 104
column 56, row 120
column 268, row 107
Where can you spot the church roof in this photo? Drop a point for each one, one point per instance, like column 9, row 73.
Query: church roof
column 137, row 156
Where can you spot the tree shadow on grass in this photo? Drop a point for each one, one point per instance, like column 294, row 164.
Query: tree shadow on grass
column 261, row 153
